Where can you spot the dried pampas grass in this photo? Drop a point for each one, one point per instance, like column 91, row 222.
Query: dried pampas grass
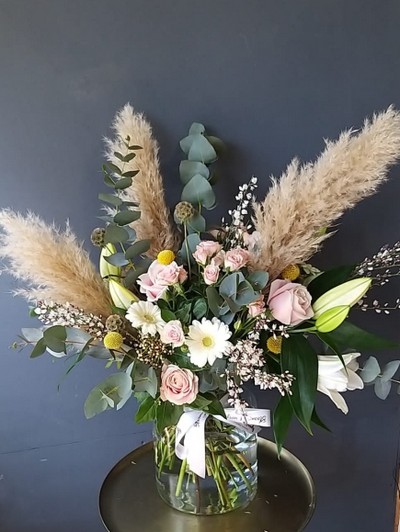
column 147, row 189
column 51, row 262
column 309, row 198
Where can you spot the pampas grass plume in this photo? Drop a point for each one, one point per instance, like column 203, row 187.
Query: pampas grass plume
column 311, row 197
column 51, row 262
column 147, row 189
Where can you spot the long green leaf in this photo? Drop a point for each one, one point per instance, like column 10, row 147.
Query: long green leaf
column 281, row 421
column 348, row 335
column 300, row 359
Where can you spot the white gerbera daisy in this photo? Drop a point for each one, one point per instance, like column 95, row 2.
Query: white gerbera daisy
column 207, row 340
column 145, row 316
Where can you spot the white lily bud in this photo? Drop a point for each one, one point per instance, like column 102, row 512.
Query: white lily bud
column 106, row 269
column 331, row 319
column 121, row 296
column 346, row 294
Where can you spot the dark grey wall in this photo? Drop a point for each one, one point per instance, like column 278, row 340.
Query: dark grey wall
column 272, row 78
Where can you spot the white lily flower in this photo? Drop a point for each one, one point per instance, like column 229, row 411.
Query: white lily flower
column 333, row 378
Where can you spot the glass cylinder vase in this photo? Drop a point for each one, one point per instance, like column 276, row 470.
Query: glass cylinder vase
column 231, row 471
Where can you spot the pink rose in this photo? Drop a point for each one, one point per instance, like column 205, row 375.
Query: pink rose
column 155, row 282
column 211, row 274
column 178, row 386
column 152, row 290
column 290, row 303
column 205, row 250
column 172, row 333
column 257, row 307
column 236, row 258
column 170, row 274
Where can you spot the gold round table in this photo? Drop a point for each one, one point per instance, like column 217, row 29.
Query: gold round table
column 285, row 500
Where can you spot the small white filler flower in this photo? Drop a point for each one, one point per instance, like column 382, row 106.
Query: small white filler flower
column 333, row 378
column 207, row 340
column 145, row 316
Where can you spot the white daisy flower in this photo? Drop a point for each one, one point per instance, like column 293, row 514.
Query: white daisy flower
column 207, row 340
column 145, row 316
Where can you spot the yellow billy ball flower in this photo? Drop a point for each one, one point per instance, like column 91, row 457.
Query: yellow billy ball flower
column 113, row 340
column 274, row 344
column 166, row 257
column 291, row 272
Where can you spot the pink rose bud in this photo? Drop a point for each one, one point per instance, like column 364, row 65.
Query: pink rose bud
column 211, row 274
column 290, row 303
column 172, row 333
column 205, row 250
column 179, row 386
column 236, row 258
column 219, row 259
column 257, row 307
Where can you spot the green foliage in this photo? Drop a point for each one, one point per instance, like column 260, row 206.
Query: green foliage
column 187, row 169
column 145, row 379
column 300, row 359
column 54, row 338
column 349, row 336
column 167, row 414
column 381, row 379
column 200, row 308
column 113, row 392
column 147, row 408
column 126, row 217
column 282, row 418
column 138, row 248
column 115, row 234
column 329, row 279
column 189, row 247
column 258, row 280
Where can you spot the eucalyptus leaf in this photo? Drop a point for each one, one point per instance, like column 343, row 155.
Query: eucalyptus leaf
column 145, row 379
column 382, row 388
column 390, row 369
column 110, row 198
column 117, row 259
column 215, row 301
column 54, row 338
column 245, row 294
column 123, row 183
column 258, row 279
column 187, row 169
column 32, row 335
column 370, row 371
column 197, row 223
column 199, row 191
column 196, row 128
column 115, row 234
column 201, row 150
column 126, row 217
column 114, row 391
column 39, row 349
column 130, row 173
column 138, row 248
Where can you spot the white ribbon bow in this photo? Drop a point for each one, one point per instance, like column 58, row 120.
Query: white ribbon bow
column 190, row 427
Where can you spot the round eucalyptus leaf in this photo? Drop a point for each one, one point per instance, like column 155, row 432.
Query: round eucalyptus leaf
column 390, row 369
column 187, row 169
column 370, row 370
column 201, row 150
column 126, row 217
column 115, row 234
column 198, row 190
column 382, row 388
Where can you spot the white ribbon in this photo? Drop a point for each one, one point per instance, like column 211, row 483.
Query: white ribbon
column 190, row 428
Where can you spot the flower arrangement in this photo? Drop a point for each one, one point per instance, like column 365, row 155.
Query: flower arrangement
column 187, row 313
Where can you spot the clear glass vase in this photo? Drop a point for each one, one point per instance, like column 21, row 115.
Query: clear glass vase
column 231, row 471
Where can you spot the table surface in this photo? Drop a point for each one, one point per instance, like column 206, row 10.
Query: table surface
column 285, row 499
